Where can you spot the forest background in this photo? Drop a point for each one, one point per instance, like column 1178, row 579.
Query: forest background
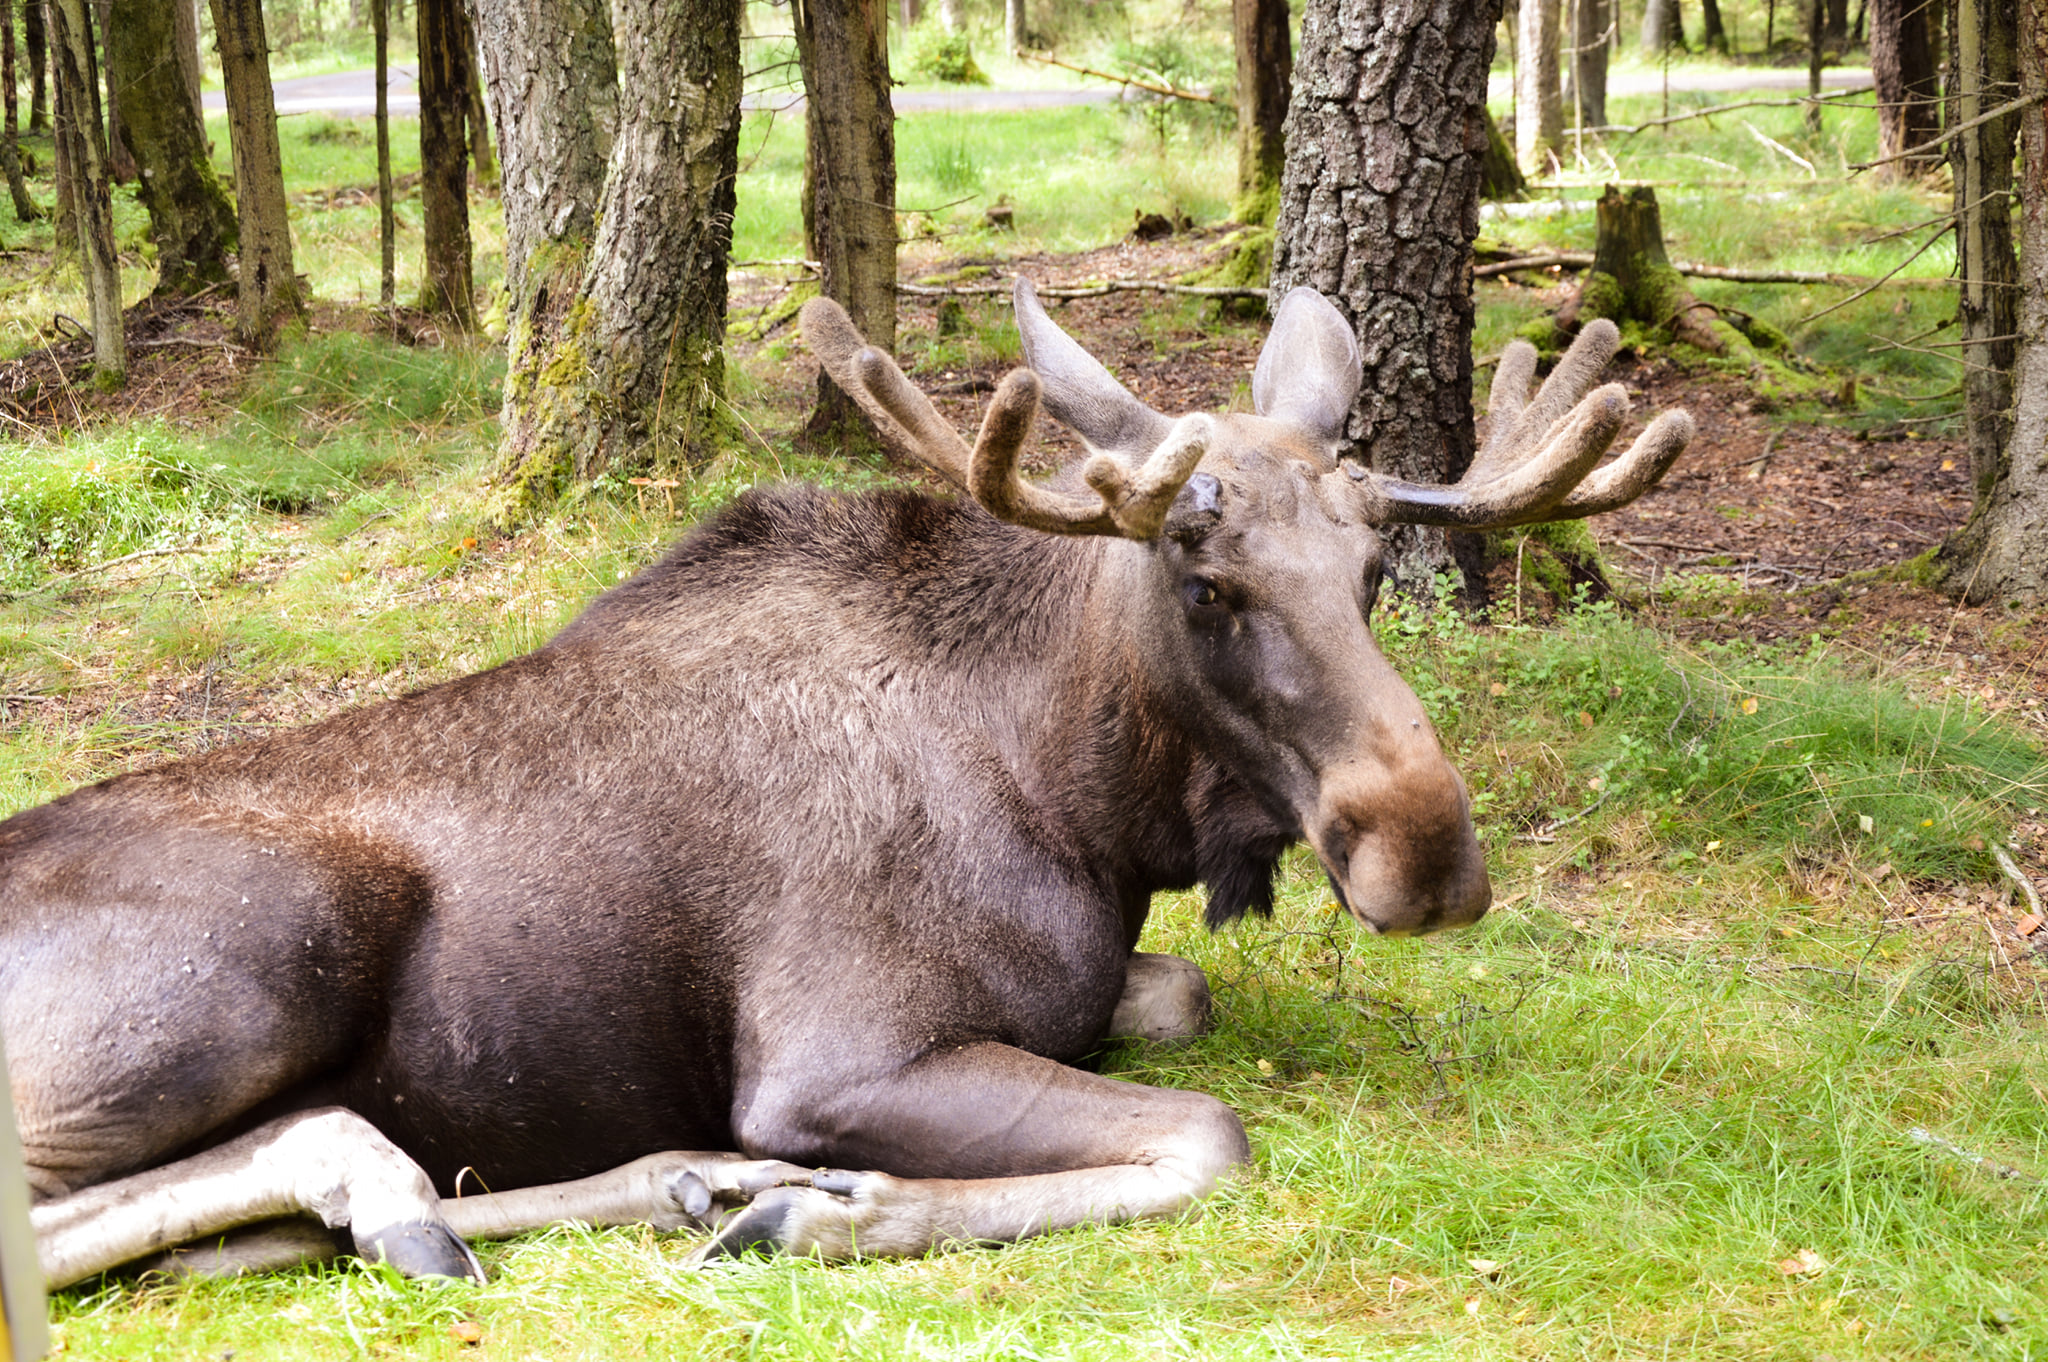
column 1747, row 1060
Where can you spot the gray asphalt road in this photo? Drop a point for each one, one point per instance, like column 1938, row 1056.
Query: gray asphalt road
column 353, row 93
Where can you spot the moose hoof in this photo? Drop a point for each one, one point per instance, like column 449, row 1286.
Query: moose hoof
column 763, row 1225
column 421, row 1249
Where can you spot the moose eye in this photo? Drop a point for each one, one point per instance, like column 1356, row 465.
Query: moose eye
column 1202, row 593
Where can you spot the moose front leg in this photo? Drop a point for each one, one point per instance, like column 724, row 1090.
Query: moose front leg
column 1166, row 1000
column 984, row 1143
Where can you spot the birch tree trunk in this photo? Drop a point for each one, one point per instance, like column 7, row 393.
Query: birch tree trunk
column 190, row 218
column 85, row 139
column 1539, row 109
column 1386, row 136
column 267, row 285
column 2000, row 47
column 635, row 373
column 850, row 216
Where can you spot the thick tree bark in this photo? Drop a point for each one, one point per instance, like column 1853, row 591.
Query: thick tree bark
column 1386, row 135
column 850, row 127
column 553, row 82
column 1265, row 74
column 635, row 374
column 38, row 84
column 85, row 140
column 1902, row 68
column 190, row 218
column 1539, row 108
column 25, row 209
column 1982, row 558
column 267, row 286
column 448, row 287
column 387, row 212
column 1591, row 42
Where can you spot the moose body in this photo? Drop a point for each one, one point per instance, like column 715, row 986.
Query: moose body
column 825, row 843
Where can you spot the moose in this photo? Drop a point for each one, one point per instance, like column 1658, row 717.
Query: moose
column 777, row 896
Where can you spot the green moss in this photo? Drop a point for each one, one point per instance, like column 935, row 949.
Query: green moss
column 1260, row 208
column 1601, row 295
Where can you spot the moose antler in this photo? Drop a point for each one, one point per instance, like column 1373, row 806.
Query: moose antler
column 1538, row 461
column 1129, row 502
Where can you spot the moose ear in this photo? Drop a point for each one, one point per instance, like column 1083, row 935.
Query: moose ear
column 1078, row 391
column 1309, row 371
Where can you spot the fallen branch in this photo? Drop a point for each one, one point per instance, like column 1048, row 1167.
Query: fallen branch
column 1149, row 87
column 1101, row 290
column 1630, row 130
column 1584, row 259
column 2013, row 873
column 1775, row 145
column 134, row 557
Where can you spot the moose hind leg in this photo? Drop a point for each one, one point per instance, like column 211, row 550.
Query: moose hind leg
column 1165, row 1000
column 330, row 1163
column 985, row 1144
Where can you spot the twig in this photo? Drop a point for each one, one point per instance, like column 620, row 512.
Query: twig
column 1169, row 91
column 1775, row 145
column 1922, row 1135
column 133, row 557
column 1918, row 251
column 2013, row 873
column 1630, row 130
column 1958, row 130
column 1583, row 259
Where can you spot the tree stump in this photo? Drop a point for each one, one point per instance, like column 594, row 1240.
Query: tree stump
column 1632, row 279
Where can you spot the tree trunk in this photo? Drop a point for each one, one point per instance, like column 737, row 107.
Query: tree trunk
column 63, row 171
column 1265, row 72
column 843, row 48
column 1499, row 176
column 1837, row 31
column 185, row 44
column 190, row 218
column 448, row 287
column 1816, row 60
column 553, row 83
column 387, row 216
column 267, row 288
column 2002, row 552
column 1985, row 40
column 85, row 139
column 1902, row 68
column 949, row 15
column 25, row 209
column 1713, row 37
column 1591, row 41
column 1386, row 136
column 1013, row 25
column 480, row 153
column 1632, row 278
column 635, row 374
column 1539, row 110
column 38, row 84
column 1660, row 25
column 120, row 161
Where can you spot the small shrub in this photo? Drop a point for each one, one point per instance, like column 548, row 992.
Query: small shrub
column 945, row 57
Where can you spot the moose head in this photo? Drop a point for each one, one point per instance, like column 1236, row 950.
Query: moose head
column 1246, row 560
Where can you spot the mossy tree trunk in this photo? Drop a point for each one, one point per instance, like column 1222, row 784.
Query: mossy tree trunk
column 267, row 286
column 1499, row 176
column 1632, row 279
column 85, row 140
column 850, row 183
column 1265, row 76
column 190, row 218
column 1386, row 135
column 447, row 287
column 634, row 374
column 2000, row 48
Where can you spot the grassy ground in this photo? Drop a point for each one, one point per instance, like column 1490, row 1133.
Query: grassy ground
column 1710, row 1081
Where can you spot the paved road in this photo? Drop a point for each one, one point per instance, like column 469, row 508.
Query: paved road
column 353, row 93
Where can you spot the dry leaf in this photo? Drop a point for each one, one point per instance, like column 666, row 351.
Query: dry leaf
column 1496, row 689
column 1866, row 822
column 1948, row 465
column 1472, row 1305
column 1585, row 719
column 2027, row 925
column 1749, row 705
column 1485, row 1267
column 1265, row 1066
column 1805, row 1263
column 466, row 1332
column 1713, row 846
